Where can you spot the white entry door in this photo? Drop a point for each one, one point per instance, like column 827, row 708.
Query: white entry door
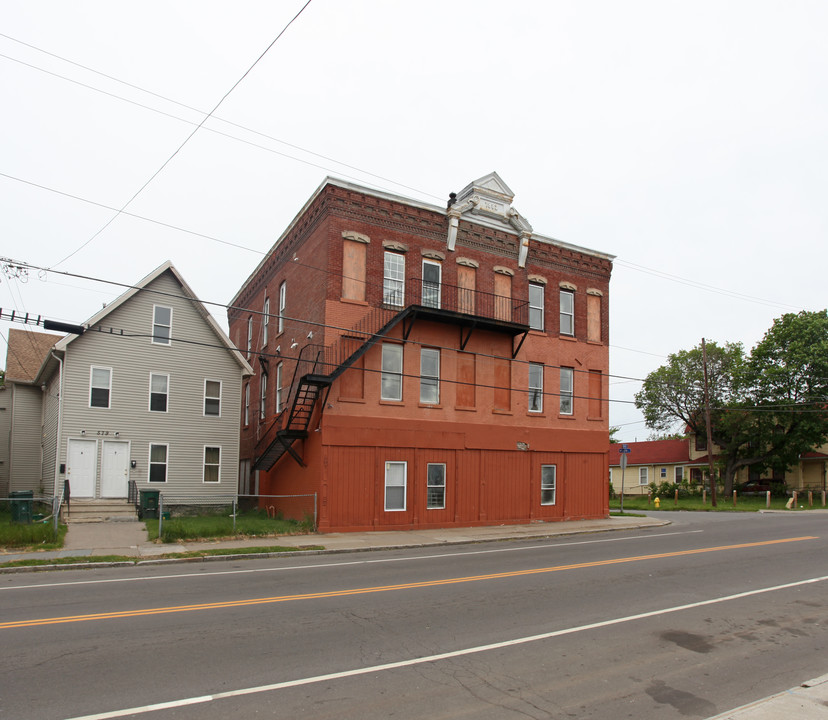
column 114, row 469
column 81, row 467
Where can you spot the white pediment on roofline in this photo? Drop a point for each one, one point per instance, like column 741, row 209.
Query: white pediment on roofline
column 490, row 197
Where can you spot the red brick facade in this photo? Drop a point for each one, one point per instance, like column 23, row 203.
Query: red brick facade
column 480, row 453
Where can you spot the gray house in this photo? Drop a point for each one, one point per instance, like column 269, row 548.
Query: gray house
column 150, row 393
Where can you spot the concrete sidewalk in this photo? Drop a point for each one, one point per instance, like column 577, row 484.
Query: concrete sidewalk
column 130, row 539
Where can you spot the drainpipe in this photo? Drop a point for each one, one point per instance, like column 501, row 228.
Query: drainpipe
column 59, row 425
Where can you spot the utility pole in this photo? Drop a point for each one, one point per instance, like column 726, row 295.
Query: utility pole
column 709, row 432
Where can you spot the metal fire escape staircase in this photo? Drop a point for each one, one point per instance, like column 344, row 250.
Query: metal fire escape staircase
column 309, row 383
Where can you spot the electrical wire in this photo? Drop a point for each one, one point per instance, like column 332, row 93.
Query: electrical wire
column 186, row 140
column 297, row 320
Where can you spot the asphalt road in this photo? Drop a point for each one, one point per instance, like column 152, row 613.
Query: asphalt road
column 683, row 621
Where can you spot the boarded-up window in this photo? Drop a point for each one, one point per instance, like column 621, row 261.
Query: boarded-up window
column 503, row 384
column 352, row 382
column 466, row 284
column 595, row 404
column 465, row 380
column 353, row 270
column 594, row 318
column 503, row 297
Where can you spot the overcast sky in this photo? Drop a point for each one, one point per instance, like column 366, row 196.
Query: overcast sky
column 689, row 139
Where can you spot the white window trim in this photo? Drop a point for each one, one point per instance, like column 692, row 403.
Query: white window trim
column 149, row 402
column 442, row 487
column 439, row 267
column 399, row 373
column 249, row 336
column 166, row 463
column 643, row 476
column 676, row 470
column 282, row 306
column 423, row 353
column 399, row 283
column 262, row 395
column 279, row 376
column 554, row 487
column 569, row 314
column 404, row 485
column 538, row 389
column 167, row 342
column 570, row 393
column 541, row 307
column 204, row 480
column 211, row 397
column 247, row 403
column 265, row 320
column 108, row 406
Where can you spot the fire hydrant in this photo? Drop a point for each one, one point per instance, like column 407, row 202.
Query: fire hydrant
column 657, row 502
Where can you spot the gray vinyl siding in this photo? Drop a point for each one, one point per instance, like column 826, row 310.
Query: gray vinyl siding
column 124, row 344
column 25, row 460
column 51, row 404
column 5, row 439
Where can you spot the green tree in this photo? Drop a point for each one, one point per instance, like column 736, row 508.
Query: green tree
column 766, row 408
column 613, row 434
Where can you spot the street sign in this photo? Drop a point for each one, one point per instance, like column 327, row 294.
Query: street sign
column 624, row 449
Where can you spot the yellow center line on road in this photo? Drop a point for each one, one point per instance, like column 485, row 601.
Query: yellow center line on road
column 382, row 588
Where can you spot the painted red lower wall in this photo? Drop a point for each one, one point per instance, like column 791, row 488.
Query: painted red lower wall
column 493, row 475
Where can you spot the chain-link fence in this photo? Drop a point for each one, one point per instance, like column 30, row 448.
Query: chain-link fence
column 28, row 519
column 192, row 517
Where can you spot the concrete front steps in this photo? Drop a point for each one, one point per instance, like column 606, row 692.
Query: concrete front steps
column 95, row 511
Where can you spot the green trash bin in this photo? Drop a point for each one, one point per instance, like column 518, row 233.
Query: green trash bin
column 149, row 503
column 21, row 506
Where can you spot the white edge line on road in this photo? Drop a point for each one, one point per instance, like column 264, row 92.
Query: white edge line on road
column 338, row 564
column 441, row 656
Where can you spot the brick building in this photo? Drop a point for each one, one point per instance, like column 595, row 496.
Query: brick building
column 419, row 366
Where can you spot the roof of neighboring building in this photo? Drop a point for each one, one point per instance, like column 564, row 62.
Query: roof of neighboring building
column 652, row 452
column 25, row 353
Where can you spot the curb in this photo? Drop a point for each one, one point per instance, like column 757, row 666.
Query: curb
column 333, row 551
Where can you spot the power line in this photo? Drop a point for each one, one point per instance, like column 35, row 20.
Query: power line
column 190, row 107
column 284, row 317
column 186, row 140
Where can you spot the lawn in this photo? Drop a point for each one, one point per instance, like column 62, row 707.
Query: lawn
column 29, row 535
column 219, row 524
column 724, row 504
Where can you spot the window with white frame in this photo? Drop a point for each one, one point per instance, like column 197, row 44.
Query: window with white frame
column 429, row 376
column 435, row 486
column 265, row 320
column 212, row 464
column 679, row 474
column 279, row 388
column 247, row 404
column 432, row 273
column 536, row 305
column 643, row 475
column 159, row 392
column 393, row 281
column 548, row 484
column 567, row 312
column 262, row 396
column 664, row 472
column 249, row 336
column 392, row 365
column 535, row 387
column 212, row 397
column 567, row 390
column 395, row 483
column 282, row 305
column 161, row 325
column 100, row 387
column 158, row 457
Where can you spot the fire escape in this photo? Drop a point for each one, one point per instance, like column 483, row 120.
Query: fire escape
column 317, row 367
